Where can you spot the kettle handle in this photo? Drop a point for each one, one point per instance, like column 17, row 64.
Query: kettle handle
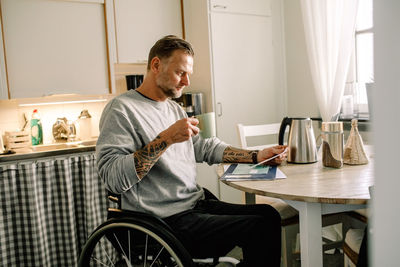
column 285, row 122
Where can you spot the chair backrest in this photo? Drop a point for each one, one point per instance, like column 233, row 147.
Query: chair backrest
column 256, row 130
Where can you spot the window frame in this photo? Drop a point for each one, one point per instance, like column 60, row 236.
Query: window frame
column 360, row 109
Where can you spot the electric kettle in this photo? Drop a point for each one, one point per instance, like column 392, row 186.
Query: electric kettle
column 301, row 140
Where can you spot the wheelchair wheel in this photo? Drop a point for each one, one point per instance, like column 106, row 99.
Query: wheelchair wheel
column 133, row 242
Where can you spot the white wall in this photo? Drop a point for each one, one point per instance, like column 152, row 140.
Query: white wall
column 301, row 100
column 386, row 103
column 11, row 116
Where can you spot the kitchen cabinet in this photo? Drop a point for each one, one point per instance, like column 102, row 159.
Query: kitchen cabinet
column 55, row 47
column 244, row 70
column 246, row 62
column 3, row 74
column 250, row 7
column 139, row 24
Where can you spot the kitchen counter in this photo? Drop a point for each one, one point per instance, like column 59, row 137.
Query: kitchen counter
column 51, row 150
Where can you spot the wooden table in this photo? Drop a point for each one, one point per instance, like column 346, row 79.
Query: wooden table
column 315, row 190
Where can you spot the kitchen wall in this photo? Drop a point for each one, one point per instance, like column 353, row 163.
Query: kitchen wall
column 11, row 115
column 301, row 99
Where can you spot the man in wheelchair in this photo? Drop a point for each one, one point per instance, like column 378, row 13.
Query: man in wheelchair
column 147, row 153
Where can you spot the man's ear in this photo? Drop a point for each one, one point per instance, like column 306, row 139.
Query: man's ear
column 155, row 64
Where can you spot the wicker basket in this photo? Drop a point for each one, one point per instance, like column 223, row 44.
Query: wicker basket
column 18, row 141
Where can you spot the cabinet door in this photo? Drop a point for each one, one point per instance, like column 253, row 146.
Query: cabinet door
column 139, row 24
column 253, row 7
column 55, row 47
column 243, row 72
column 3, row 74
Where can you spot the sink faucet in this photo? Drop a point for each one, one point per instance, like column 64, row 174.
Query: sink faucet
column 64, row 130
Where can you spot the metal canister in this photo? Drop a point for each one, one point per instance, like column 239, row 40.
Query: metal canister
column 332, row 144
column 194, row 100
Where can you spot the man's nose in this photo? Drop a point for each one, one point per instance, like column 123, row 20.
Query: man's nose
column 185, row 80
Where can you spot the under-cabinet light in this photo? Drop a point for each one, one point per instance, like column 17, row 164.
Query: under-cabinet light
column 62, row 102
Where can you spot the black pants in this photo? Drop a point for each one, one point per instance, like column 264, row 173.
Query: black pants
column 214, row 227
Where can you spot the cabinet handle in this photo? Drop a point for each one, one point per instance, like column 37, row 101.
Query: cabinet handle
column 219, row 109
column 219, row 6
column 48, row 94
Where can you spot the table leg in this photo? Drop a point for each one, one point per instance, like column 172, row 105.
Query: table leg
column 310, row 233
column 250, row 198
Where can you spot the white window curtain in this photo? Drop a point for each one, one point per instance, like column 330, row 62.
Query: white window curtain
column 329, row 30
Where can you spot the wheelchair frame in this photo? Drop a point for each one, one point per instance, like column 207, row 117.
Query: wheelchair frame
column 112, row 242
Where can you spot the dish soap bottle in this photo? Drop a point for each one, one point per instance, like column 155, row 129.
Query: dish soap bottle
column 36, row 129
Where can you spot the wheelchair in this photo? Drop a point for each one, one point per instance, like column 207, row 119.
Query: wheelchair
column 131, row 238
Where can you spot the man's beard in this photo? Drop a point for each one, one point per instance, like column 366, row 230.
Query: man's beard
column 172, row 93
column 169, row 91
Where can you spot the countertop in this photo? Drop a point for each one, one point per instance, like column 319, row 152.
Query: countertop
column 76, row 147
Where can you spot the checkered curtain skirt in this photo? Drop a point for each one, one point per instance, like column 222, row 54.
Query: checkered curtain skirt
column 48, row 210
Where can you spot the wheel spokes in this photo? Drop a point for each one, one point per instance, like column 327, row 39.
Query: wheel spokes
column 106, row 253
column 144, row 249
column 162, row 248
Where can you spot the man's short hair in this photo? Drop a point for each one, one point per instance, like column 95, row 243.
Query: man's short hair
column 164, row 48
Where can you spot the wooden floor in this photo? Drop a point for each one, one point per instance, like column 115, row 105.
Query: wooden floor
column 330, row 260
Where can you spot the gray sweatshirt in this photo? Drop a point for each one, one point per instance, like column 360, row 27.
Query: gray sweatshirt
column 128, row 123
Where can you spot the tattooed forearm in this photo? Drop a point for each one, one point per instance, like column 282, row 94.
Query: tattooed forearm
column 146, row 157
column 232, row 154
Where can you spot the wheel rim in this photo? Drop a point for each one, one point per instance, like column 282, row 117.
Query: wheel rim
column 114, row 245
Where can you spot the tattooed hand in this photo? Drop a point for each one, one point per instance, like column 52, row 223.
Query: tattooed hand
column 181, row 131
column 266, row 153
column 146, row 157
column 237, row 155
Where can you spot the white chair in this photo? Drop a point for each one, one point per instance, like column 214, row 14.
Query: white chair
column 289, row 215
column 354, row 226
column 257, row 130
column 355, row 223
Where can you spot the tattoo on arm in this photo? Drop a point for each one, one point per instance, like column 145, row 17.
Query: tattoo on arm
column 146, row 157
column 237, row 155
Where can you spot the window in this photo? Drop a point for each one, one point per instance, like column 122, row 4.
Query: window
column 361, row 73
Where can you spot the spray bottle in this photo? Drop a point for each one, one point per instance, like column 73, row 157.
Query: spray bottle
column 36, row 129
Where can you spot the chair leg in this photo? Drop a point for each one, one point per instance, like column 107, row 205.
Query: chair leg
column 289, row 233
column 285, row 248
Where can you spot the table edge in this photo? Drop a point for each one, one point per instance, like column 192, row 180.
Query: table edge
column 357, row 201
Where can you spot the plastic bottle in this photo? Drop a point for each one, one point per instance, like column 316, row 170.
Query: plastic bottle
column 85, row 125
column 36, row 129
